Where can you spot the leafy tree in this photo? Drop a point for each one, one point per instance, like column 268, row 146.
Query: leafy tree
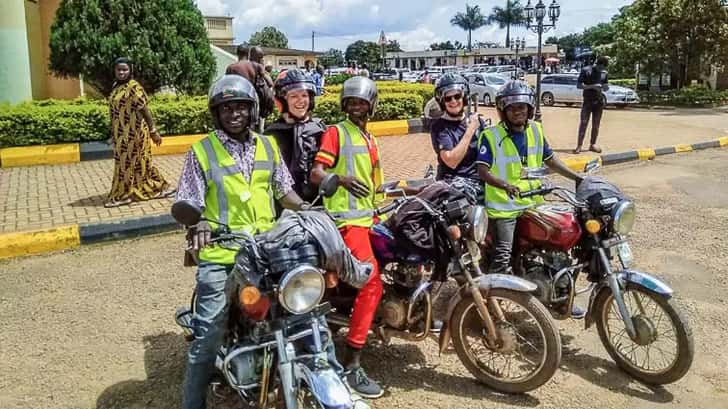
column 487, row 44
column 364, row 52
column 512, row 15
column 685, row 35
column 269, row 37
column 166, row 40
column 469, row 21
column 392, row 46
column 332, row 58
column 447, row 45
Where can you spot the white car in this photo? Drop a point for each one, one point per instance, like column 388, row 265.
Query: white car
column 485, row 86
column 561, row 88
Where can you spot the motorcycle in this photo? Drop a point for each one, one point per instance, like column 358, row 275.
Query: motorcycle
column 274, row 351
column 639, row 322
column 501, row 333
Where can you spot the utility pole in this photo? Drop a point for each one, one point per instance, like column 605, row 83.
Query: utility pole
column 312, row 41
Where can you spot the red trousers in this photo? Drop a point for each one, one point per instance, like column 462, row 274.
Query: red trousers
column 367, row 300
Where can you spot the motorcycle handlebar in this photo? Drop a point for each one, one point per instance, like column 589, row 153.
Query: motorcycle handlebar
column 536, row 192
column 387, row 208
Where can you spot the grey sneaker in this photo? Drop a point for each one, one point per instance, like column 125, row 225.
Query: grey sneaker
column 362, row 385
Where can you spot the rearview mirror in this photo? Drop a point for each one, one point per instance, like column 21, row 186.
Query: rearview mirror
column 329, row 185
column 534, row 173
column 186, row 213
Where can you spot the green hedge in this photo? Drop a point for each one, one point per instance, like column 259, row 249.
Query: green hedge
column 425, row 91
column 694, row 96
column 56, row 121
column 627, row 82
column 337, row 79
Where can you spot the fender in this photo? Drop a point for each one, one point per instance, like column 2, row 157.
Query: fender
column 325, row 385
column 486, row 282
column 638, row 278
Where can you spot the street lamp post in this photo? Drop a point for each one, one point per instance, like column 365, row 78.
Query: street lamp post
column 535, row 16
column 518, row 45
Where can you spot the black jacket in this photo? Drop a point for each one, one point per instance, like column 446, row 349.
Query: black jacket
column 299, row 143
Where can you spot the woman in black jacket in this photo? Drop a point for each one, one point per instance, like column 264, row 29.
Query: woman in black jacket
column 298, row 134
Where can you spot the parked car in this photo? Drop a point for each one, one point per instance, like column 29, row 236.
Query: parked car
column 485, row 86
column 561, row 88
column 411, row 76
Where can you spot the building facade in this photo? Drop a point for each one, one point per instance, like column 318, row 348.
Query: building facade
column 283, row 58
column 25, row 27
column 419, row 60
column 219, row 30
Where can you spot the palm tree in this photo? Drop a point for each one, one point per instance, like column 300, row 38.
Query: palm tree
column 471, row 20
column 512, row 15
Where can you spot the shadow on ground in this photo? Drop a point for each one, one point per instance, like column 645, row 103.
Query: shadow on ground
column 164, row 361
column 605, row 373
column 96, row 200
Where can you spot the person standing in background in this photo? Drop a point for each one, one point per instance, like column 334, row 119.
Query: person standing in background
column 593, row 80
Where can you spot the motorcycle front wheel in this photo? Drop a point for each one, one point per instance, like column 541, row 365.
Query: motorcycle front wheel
column 528, row 349
column 663, row 350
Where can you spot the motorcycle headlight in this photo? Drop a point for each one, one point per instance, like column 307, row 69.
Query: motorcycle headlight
column 301, row 289
column 623, row 217
column 478, row 221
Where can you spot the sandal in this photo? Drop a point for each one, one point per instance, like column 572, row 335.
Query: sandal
column 117, row 203
column 595, row 148
column 166, row 193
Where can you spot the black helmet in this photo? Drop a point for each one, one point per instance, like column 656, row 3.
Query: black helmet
column 515, row 92
column 451, row 82
column 290, row 80
column 230, row 88
column 362, row 88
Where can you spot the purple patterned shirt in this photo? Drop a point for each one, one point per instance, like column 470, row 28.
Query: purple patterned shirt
column 193, row 186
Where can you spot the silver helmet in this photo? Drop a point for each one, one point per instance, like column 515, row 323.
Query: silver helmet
column 229, row 88
column 362, row 88
column 515, row 92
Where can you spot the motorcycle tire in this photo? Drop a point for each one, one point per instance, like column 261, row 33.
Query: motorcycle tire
column 683, row 337
column 542, row 318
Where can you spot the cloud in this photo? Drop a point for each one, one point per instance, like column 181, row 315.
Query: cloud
column 414, row 23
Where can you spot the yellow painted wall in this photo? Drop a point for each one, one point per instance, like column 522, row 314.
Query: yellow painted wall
column 59, row 88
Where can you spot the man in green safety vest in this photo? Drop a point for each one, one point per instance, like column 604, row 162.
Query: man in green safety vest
column 233, row 175
column 348, row 150
column 503, row 150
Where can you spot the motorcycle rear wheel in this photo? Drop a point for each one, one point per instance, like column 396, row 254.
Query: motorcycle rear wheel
column 628, row 358
column 518, row 340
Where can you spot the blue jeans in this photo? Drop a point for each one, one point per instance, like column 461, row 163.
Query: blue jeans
column 208, row 323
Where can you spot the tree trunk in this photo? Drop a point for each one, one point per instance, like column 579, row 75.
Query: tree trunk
column 508, row 36
column 470, row 45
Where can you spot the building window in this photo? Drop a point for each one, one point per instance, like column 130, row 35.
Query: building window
column 216, row 24
column 288, row 62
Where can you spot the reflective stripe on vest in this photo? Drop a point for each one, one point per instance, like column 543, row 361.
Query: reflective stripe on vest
column 498, row 203
column 344, row 206
column 255, row 212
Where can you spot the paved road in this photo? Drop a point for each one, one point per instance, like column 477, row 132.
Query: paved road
column 92, row 327
column 48, row 196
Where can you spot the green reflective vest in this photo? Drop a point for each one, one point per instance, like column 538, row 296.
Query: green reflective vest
column 507, row 166
column 354, row 160
column 230, row 199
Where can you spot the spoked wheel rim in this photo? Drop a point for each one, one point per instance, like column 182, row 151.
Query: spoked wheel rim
column 655, row 348
column 523, row 351
column 547, row 99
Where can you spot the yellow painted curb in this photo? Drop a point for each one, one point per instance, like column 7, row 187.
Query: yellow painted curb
column 723, row 141
column 578, row 163
column 39, row 241
column 172, row 145
column 646, row 154
column 681, row 148
column 40, row 155
column 388, row 128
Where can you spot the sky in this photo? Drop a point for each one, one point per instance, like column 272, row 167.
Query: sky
column 414, row 23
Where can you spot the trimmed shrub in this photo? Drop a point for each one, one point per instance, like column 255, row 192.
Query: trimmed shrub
column 694, row 96
column 627, row 82
column 56, row 121
column 337, row 79
column 426, row 91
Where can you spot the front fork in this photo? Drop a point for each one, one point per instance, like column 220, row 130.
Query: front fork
column 480, row 302
column 617, row 293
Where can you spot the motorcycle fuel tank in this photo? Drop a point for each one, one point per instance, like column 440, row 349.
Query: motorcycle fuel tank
column 552, row 226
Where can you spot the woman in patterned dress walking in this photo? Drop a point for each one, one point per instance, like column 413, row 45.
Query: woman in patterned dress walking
column 132, row 127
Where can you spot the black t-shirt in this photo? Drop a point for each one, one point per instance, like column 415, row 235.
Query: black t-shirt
column 591, row 75
column 445, row 135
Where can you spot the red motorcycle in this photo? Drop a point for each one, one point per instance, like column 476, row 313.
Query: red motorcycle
column 638, row 320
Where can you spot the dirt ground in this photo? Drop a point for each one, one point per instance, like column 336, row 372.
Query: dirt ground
column 93, row 328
